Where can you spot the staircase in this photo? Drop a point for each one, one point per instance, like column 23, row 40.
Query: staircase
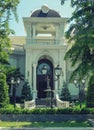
column 45, row 102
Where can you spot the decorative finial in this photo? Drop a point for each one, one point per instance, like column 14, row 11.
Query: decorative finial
column 45, row 8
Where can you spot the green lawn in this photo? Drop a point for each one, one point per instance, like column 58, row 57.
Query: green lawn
column 44, row 124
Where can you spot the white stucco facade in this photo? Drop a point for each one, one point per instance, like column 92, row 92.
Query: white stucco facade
column 44, row 44
column 45, row 40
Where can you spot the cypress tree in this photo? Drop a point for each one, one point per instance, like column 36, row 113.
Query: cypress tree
column 26, row 92
column 65, row 94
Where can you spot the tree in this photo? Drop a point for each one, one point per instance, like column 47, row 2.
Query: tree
column 7, row 7
column 14, row 72
column 4, row 99
column 81, row 35
column 26, row 92
column 65, row 94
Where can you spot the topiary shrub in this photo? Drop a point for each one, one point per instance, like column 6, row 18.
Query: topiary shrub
column 26, row 92
column 65, row 94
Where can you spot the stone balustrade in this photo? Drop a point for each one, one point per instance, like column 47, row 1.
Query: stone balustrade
column 62, row 104
column 29, row 104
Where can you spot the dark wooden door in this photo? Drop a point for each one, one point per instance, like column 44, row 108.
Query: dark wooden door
column 41, row 86
column 42, row 79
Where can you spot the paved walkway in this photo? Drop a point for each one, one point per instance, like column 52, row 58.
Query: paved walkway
column 58, row 128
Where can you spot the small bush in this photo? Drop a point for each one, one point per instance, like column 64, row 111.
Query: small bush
column 65, row 94
column 26, row 92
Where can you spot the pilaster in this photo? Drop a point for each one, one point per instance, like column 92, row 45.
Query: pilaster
column 34, row 82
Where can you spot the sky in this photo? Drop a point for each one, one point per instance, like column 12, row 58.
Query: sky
column 26, row 6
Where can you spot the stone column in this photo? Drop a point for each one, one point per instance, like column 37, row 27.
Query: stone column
column 57, row 31
column 34, row 82
column 62, row 30
column 34, row 31
column 28, row 33
column 55, row 84
column 28, row 65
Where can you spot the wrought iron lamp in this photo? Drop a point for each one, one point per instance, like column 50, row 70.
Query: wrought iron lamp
column 14, row 82
column 58, row 71
column 80, row 85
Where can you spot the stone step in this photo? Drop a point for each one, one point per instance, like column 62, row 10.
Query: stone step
column 40, row 101
column 41, row 106
column 45, row 102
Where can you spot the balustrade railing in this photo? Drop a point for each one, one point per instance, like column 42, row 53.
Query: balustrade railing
column 62, row 104
column 29, row 104
column 43, row 41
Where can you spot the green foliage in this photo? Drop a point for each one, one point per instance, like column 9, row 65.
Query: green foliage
column 7, row 7
column 65, row 94
column 4, row 98
column 26, row 92
column 35, row 111
column 82, row 50
column 90, row 96
column 14, row 72
column 42, row 125
column 81, row 35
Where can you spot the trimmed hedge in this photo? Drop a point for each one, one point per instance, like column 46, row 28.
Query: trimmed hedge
column 47, row 111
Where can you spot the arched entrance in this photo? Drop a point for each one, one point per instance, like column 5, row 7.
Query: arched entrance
column 42, row 79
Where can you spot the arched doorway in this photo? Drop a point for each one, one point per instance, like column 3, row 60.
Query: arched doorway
column 42, row 79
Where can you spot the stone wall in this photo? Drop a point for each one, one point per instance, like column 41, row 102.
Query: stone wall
column 44, row 117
